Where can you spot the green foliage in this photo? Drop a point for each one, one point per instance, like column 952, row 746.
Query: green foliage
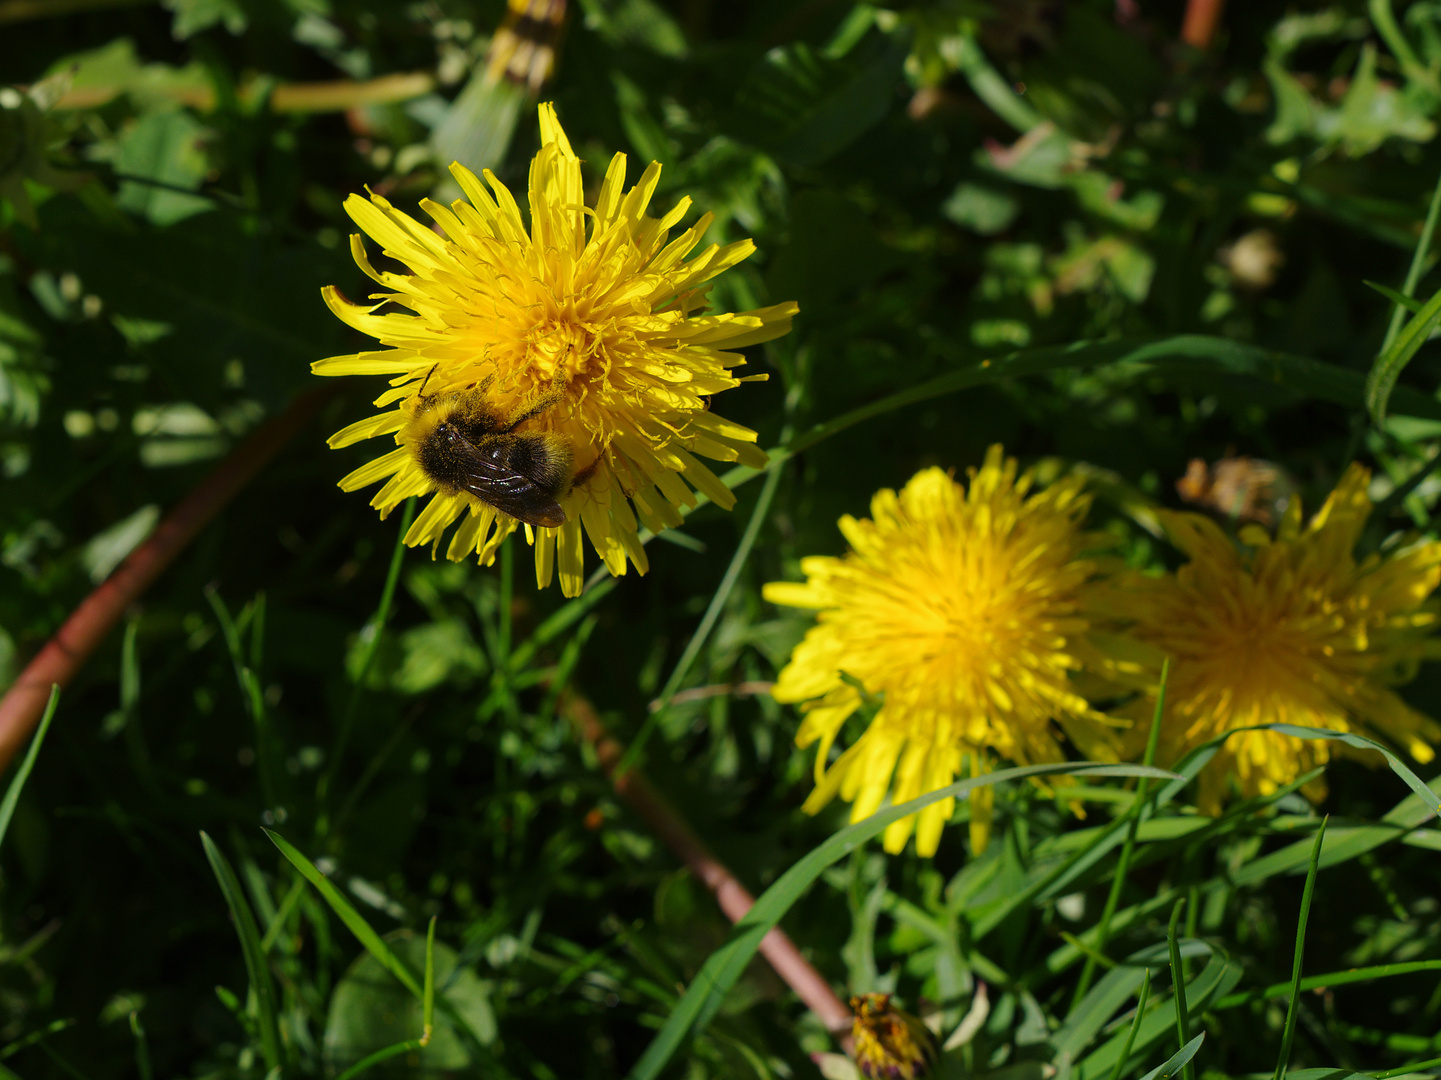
column 1044, row 224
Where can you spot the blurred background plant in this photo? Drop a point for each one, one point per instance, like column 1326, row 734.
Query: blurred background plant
column 939, row 185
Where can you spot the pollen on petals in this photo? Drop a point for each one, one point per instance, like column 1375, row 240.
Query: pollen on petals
column 595, row 303
column 962, row 609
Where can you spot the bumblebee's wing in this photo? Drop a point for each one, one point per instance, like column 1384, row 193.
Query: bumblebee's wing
column 492, row 477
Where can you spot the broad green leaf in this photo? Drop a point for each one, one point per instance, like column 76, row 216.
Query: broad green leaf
column 369, row 1012
column 164, row 158
column 805, row 107
column 193, row 16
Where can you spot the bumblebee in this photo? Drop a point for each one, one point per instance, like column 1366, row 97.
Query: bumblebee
column 463, row 444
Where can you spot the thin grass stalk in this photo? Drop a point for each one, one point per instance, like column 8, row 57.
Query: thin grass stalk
column 1415, row 1066
column 369, row 1062
column 1416, row 269
column 347, row 720
column 17, row 782
column 1291, row 1010
column 428, row 997
column 1178, row 983
column 142, row 1048
column 1123, row 864
column 255, row 966
column 1330, row 978
column 1135, row 1025
column 707, row 623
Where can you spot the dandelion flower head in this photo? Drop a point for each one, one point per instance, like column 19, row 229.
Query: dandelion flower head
column 590, row 309
column 1285, row 629
column 889, row 1043
column 963, row 609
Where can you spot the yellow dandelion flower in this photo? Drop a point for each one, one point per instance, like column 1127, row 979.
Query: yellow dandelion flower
column 583, row 340
column 889, row 1043
column 1288, row 629
column 963, row 609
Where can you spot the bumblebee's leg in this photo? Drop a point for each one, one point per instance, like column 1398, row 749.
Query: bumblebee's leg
column 535, row 408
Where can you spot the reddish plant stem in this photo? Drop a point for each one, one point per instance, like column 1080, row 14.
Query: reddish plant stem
column 733, row 897
column 1202, row 18
column 65, row 653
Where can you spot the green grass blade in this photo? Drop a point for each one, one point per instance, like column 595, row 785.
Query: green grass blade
column 567, row 615
column 1135, row 1025
column 428, row 998
column 39, row 1035
column 1415, row 1066
column 1217, row 979
column 255, row 966
column 1418, row 261
column 1180, row 1060
column 1360, row 742
column 1331, row 978
column 1290, row 1029
column 1087, row 1017
column 352, row 919
column 377, row 628
column 725, row 965
column 287, row 906
column 17, row 782
column 142, row 1048
column 1410, row 813
column 990, row 86
column 1183, row 352
column 1388, row 366
column 1178, row 981
column 387, row 598
column 370, row 1061
column 1343, row 842
column 1401, row 300
column 707, row 623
